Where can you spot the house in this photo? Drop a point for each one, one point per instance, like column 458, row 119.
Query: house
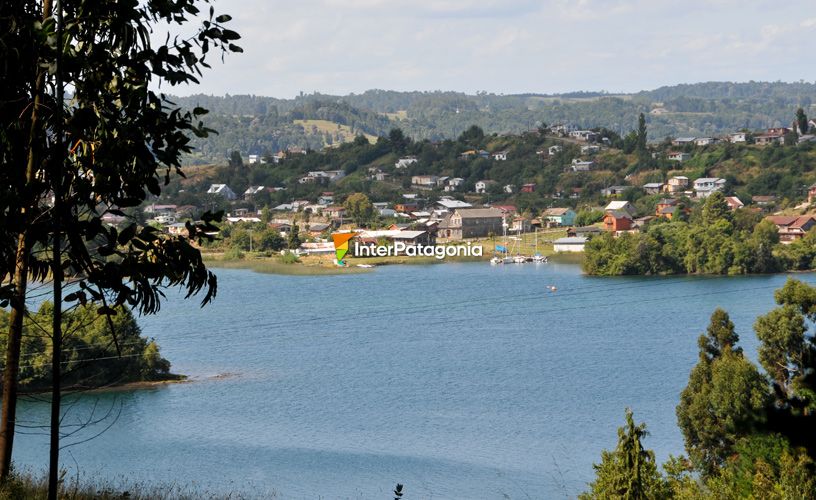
column 326, row 199
column 666, row 208
column 454, row 183
column 581, row 165
column 772, row 136
column 792, row 228
column 584, row 135
column 554, row 150
column 653, row 187
column 733, row 202
column 471, row 223
column 678, row 156
column 682, row 141
column 500, row 155
column 508, row 188
column 483, row 185
column 763, row 201
column 405, row 162
column 705, row 141
column 406, row 207
column 177, row 229
column 449, row 204
column 621, row 206
column 575, row 193
column 506, row 210
column 322, row 176
column 528, row 188
column 222, row 190
column 424, row 181
column 704, row 186
column 441, row 181
column 334, row 212
column 318, row 228
column 617, row 221
column 613, row 190
column 590, row 149
column 677, row 183
column 252, row 191
column 559, row 216
column 156, row 210
column 520, row 224
column 472, row 153
column 737, row 137
column 570, row 244
column 812, row 193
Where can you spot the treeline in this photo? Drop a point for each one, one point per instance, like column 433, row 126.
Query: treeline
column 748, row 432
column 249, row 123
column 96, row 353
column 714, row 240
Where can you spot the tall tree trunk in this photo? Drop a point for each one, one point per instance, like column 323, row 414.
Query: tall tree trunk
column 20, row 282
column 56, row 270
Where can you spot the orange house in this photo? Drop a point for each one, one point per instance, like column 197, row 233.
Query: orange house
column 617, row 220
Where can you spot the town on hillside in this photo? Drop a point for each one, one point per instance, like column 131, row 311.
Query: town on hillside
column 583, row 181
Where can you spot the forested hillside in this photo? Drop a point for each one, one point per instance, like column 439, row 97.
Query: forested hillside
column 258, row 125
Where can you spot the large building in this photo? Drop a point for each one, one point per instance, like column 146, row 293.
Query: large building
column 471, row 223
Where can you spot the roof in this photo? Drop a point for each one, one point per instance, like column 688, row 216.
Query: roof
column 619, row 214
column 706, row 180
column 571, row 240
column 653, row 185
column 556, row 211
column 668, row 201
column 617, row 205
column 669, row 210
column 802, row 221
column 588, row 229
column 472, row 213
column 782, row 220
column 453, row 204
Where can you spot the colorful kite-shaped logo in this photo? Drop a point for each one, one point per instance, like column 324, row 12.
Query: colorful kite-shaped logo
column 341, row 246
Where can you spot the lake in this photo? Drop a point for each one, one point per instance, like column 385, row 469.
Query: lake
column 458, row 380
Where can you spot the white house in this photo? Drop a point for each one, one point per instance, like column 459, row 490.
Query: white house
column 581, row 165
column 454, row 183
column 590, row 149
column 704, row 186
column 254, row 159
column 482, row 186
column 553, row 150
column 405, row 162
column 570, row 244
column 738, row 137
column 222, row 190
column 677, row 183
column 682, row 141
column 449, row 204
column 252, row 191
column 426, row 181
column 705, row 141
column 500, row 155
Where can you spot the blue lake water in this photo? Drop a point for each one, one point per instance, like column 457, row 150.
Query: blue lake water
column 458, row 380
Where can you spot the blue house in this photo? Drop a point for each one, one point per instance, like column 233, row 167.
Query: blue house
column 560, row 216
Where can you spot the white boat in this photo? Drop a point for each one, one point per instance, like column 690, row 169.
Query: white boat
column 366, row 266
column 519, row 259
column 496, row 260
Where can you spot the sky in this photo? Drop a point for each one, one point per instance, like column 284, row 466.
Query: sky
column 509, row 46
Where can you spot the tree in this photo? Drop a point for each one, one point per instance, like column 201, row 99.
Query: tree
column 802, row 121
column 272, row 241
column 629, row 472
column 294, row 238
column 105, row 152
column 359, row 208
column 641, row 134
column 724, row 399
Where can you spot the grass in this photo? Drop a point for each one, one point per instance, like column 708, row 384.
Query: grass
column 307, row 266
column 526, row 244
column 30, row 487
column 326, row 126
column 399, row 115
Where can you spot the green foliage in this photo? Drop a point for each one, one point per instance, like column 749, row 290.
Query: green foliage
column 724, row 397
column 588, row 217
column 293, row 243
column 629, row 472
column 360, row 209
column 714, row 241
column 89, row 349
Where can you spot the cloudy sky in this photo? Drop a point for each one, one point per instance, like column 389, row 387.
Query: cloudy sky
column 510, row 46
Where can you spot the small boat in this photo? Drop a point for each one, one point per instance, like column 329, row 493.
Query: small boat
column 538, row 258
column 552, row 288
column 365, row 266
column 519, row 259
column 496, row 261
